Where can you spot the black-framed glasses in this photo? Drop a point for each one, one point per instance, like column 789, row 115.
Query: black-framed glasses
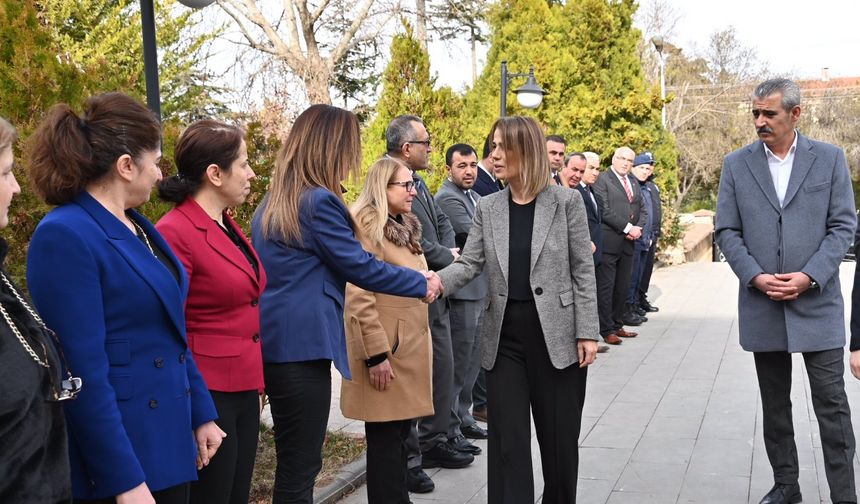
column 408, row 185
column 422, row 142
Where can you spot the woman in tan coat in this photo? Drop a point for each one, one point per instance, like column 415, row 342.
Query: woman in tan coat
column 388, row 338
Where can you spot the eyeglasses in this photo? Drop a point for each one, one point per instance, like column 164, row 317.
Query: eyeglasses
column 408, row 185
column 422, row 142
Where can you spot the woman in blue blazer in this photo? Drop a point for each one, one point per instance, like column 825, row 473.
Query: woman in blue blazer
column 306, row 240
column 107, row 283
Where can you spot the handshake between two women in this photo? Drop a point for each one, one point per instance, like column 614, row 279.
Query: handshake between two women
column 434, row 286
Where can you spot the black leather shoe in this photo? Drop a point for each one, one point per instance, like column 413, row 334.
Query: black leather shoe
column 474, row 432
column 417, row 481
column 783, row 494
column 638, row 310
column 648, row 307
column 631, row 312
column 461, row 444
column 631, row 319
column 444, row 455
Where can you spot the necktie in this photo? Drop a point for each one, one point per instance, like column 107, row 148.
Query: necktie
column 471, row 197
column 627, row 189
column 593, row 200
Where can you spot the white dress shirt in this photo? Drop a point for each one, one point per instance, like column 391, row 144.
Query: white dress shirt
column 780, row 169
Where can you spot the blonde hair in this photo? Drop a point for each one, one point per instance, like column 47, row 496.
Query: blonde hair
column 525, row 147
column 370, row 210
column 8, row 135
column 323, row 148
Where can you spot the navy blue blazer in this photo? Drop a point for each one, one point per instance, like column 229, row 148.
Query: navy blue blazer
column 595, row 218
column 301, row 309
column 118, row 313
column 484, row 184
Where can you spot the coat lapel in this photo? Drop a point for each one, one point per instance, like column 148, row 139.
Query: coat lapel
column 803, row 160
column 500, row 224
column 544, row 212
column 757, row 164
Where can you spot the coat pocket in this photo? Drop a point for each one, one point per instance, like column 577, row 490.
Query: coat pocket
column 122, row 385
column 817, row 187
column 566, row 298
column 218, row 346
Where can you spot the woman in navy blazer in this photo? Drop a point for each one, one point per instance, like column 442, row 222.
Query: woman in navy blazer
column 306, row 241
column 225, row 280
column 104, row 279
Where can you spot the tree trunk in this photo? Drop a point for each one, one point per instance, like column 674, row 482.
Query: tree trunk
column 474, row 59
column 421, row 23
column 316, row 78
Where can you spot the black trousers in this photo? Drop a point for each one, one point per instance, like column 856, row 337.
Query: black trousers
column 645, row 281
column 300, row 399
column 227, row 478
column 178, row 494
column 613, row 280
column 830, row 403
column 386, row 461
column 524, row 377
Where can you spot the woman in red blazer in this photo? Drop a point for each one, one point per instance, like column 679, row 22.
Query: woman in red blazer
column 225, row 282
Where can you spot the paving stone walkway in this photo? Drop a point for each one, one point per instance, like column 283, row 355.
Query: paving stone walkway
column 672, row 416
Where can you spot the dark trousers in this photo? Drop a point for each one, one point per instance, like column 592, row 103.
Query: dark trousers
column 479, row 391
column 523, row 376
column 638, row 270
column 827, row 387
column 386, row 461
column 645, row 282
column 227, row 478
column 178, row 494
column 300, row 398
column 613, row 279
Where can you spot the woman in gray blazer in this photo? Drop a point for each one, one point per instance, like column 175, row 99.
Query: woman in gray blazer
column 540, row 327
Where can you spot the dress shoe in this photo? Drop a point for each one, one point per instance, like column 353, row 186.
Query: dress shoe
column 417, row 481
column 631, row 319
column 631, row 312
column 480, row 414
column 611, row 339
column 444, row 455
column 461, row 444
column 783, row 494
column 602, row 348
column 626, row 334
column 638, row 310
column 474, row 431
column 648, row 307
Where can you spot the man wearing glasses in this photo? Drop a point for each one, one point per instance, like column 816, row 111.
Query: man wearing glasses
column 408, row 141
column 624, row 214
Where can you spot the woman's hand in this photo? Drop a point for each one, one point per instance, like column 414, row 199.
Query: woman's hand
column 855, row 363
column 586, row 349
column 208, row 437
column 381, row 375
column 137, row 495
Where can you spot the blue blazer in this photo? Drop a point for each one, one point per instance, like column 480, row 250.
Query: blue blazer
column 301, row 309
column 484, row 184
column 119, row 315
column 595, row 219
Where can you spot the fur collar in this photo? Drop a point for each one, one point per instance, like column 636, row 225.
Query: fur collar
column 406, row 233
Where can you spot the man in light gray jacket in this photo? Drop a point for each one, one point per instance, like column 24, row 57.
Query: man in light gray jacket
column 785, row 218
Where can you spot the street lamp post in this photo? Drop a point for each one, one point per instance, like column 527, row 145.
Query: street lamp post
column 658, row 45
column 529, row 95
column 150, row 49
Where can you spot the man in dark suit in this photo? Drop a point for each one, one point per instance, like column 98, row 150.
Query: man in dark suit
column 657, row 222
column 555, row 146
column 624, row 213
column 458, row 201
column 486, row 182
column 785, row 218
column 408, row 141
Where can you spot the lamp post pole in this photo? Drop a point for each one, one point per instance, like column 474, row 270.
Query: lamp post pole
column 503, row 105
column 150, row 56
column 658, row 46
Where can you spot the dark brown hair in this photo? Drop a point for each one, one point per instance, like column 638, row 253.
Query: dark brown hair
column 203, row 143
column 324, row 146
column 68, row 152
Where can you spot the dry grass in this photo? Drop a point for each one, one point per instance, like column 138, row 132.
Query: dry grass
column 339, row 449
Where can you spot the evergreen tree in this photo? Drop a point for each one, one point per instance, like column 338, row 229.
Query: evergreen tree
column 407, row 88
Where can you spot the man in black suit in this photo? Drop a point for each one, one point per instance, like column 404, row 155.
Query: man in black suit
column 624, row 213
column 486, row 183
column 657, row 222
column 408, row 141
column 555, row 146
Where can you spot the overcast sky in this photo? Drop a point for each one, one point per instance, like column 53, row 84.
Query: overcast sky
column 796, row 37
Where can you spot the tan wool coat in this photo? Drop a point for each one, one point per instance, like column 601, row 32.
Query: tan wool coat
column 378, row 323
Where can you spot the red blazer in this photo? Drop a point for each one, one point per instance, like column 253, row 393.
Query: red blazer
column 222, row 312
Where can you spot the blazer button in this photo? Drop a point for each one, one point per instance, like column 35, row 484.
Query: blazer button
column 256, row 338
column 153, row 404
column 159, row 362
column 255, row 302
column 538, row 291
column 182, row 358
